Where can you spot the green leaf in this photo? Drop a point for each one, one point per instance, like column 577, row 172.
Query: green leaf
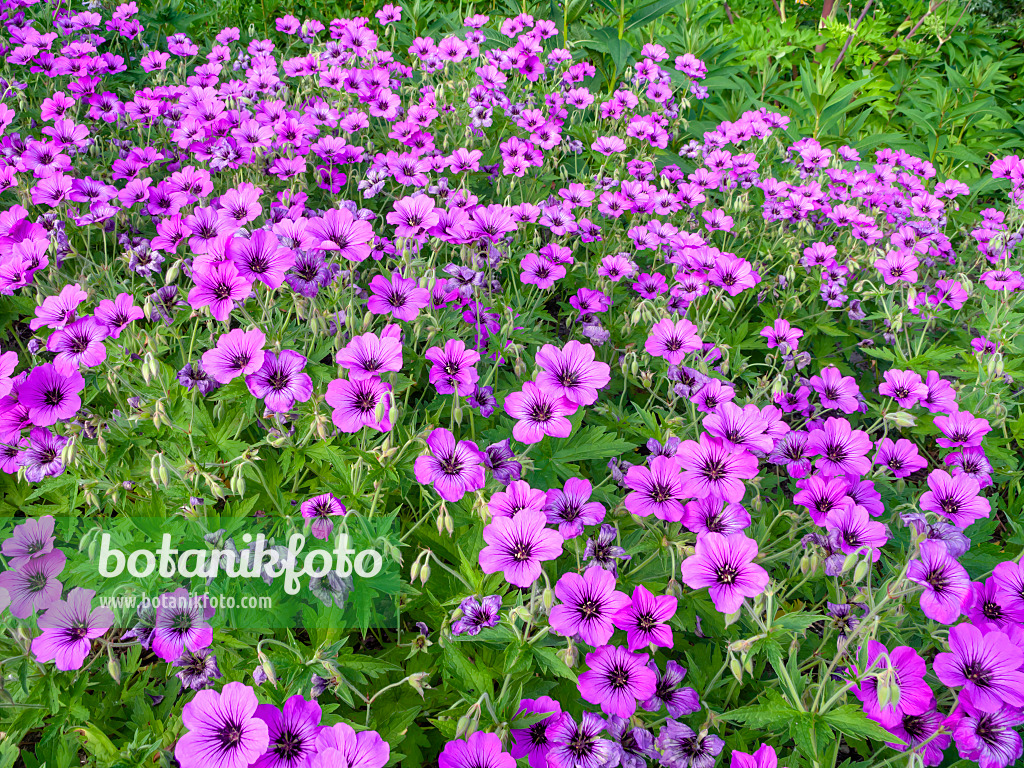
column 797, row 621
column 464, row 674
column 851, row 720
column 649, row 13
column 592, row 444
column 548, row 659
column 772, row 711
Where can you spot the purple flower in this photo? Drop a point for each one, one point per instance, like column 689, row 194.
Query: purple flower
column 713, row 515
column 356, row 404
column 192, row 375
column 572, row 372
column 765, row 757
column 280, row 381
column 632, row 745
column 500, row 459
column 30, row 540
column 51, row 394
column 534, row 741
column 42, row 458
column 319, row 510
column 920, row 733
column 571, row 509
column 645, row 619
column 682, row 747
column 902, row 671
column 710, row 468
column 453, row 468
column 223, row 730
column 196, row 670
column 481, row 750
column 955, row 498
column 517, row 497
column 218, row 285
column 836, row 390
column 986, row 665
column 368, row 356
column 739, row 428
column 483, row 400
column 905, row 387
column 34, row 586
column 987, row 738
column 578, row 745
column 900, row 457
column 118, row 314
column 725, row 565
column 588, row 606
column 945, row 582
column 518, row 545
column 400, row 297
column 68, row 626
column 672, row 340
column 181, row 623
column 616, row 679
column 291, row 732
column 603, row 550
column 857, row 532
column 657, row 490
column 538, row 413
column 477, row 615
column 840, row 449
column 341, row 745
column 78, row 345
column 961, row 430
column 238, row 353
column 670, row 692
column 452, row 369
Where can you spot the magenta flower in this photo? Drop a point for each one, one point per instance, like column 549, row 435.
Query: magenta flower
column 68, row 626
column 367, row 356
column 30, row 540
column 412, row 216
column 711, row 468
column 8, row 362
column 905, row 387
column 986, row 665
column 961, row 429
column 941, row 396
column 616, row 679
column 480, row 750
column 218, row 285
column 725, row 565
column 181, row 623
column 782, row 334
column 57, row 311
column 358, row 404
column 223, row 729
column 989, row 739
column 656, row 490
column 856, row 531
column 453, row 368
column 672, row 340
column 319, row 510
column 34, row 586
column 518, row 545
column 51, row 395
column 645, row 619
column 901, row 667
column 280, row 381
column 534, row 741
column 400, row 297
column 539, row 412
column 740, row 428
column 572, row 372
column 840, row 449
column 517, row 497
column 900, row 457
column 260, row 257
column 588, row 605
column 571, row 508
column 579, row 745
column 340, row 745
column 79, row 344
column 291, row 732
column 946, row 583
column 238, row 353
column 340, row 231
column 835, row 390
column 118, row 314
column 453, row 468
column 955, row 498
column 42, row 457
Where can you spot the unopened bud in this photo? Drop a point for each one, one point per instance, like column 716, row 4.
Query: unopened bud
column 737, row 669
column 547, row 599
column 861, row 570
column 424, row 573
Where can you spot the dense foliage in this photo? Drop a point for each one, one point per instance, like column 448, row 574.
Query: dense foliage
column 678, row 443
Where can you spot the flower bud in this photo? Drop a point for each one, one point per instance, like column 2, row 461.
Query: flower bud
column 861, row 570
column 547, row 599
column 424, row 573
column 901, row 419
column 737, row 669
column 114, row 668
column 848, row 563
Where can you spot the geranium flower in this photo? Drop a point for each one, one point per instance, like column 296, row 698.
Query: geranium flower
column 454, row 468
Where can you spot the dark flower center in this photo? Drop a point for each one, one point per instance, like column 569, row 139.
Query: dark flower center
column 726, row 574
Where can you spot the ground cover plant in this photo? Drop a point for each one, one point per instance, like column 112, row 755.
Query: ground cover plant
column 662, row 447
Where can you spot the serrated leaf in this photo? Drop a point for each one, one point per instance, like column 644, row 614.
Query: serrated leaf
column 772, row 711
column 851, row 720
